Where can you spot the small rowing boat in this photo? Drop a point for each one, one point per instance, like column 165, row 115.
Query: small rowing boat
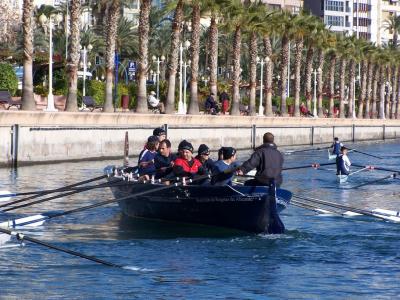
column 247, row 208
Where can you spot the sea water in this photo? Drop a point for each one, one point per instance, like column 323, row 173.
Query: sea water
column 319, row 256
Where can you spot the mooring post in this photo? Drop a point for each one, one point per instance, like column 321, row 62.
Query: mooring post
column 14, row 145
column 253, row 136
column 353, row 133
column 333, row 132
column 383, row 131
column 166, row 130
column 312, row 136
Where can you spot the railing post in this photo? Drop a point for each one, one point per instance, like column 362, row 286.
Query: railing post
column 14, row 145
column 253, row 136
column 353, row 132
column 312, row 135
column 166, row 130
column 383, row 131
column 333, row 132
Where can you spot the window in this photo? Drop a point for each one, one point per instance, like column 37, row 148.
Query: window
column 334, row 5
column 334, row 20
column 362, row 22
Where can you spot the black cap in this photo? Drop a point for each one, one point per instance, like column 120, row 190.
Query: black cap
column 159, row 131
column 343, row 148
column 152, row 139
column 228, row 152
column 203, row 149
column 220, row 151
column 185, row 145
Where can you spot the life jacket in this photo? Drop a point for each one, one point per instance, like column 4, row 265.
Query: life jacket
column 191, row 167
column 341, row 167
column 336, row 148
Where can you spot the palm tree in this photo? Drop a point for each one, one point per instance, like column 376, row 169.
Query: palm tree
column 370, row 84
column 396, row 109
column 365, row 51
column 394, row 85
column 332, row 68
column 174, row 56
column 374, row 96
column 392, row 24
column 343, row 51
column 144, row 28
column 269, row 70
column 28, row 103
column 194, row 55
column 74, row 55
column 111, row 35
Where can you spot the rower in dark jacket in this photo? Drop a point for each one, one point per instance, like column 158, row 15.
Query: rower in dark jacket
column 268, row 162
column 164, row 159
column 204, row 157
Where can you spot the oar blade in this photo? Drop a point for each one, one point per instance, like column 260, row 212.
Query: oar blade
column 31, row 221
column 6, row 196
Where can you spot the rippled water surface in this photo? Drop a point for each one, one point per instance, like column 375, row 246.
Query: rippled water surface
column 318, row 257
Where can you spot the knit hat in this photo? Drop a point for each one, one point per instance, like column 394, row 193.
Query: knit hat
column 185, row 145
column 203, row 149
column 228, row 152
column 159, row 131
column 152, row 139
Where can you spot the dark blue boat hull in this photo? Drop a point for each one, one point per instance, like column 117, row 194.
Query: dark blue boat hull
column 245, row 208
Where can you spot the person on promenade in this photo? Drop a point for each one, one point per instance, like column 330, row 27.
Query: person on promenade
column 336, row 145
column 224, row 100
column 304, row 110
column 343, row 162
column 160, row 133
column 155, row 103
column 223, row 169
column 146, row 157
column 186, row 165
column 164, row 159
column 267, row 160
column 203, row 155
column 210, row 105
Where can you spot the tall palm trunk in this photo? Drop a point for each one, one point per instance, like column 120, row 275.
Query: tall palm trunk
column 73, row 58
column 28, row 102
column 237, row 42
column 269, row 69
column 363, row 90
column 111, row 35
column 368, row 95
column 394, row 92
column 388, row 92
column 297, row 74
column 213, row 62
column 374, row 97
column 332, row 85
column 253, row 51
column 382, row 93
column 144, row 28
column 397, row 109
column 194, row 50
column 308, row 75
column 174, row 57
column 352, row 78
column 321, row 62
column 284, row 66
column 343, row 65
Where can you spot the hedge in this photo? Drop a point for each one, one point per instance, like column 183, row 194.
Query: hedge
column 8, row 78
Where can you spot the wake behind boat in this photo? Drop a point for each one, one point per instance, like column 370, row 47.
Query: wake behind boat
column 249, row 208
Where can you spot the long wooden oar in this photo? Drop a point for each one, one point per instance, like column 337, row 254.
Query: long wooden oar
column 394, row 175
column 378, row 168
column 44, row 192
column 306, row 150
column 367, row 154
column 23, row 237
column 371, row 213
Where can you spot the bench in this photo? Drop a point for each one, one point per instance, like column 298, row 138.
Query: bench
column 6, row 101
column 89, row 103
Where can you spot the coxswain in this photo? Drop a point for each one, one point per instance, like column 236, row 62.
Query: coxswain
column 203, row 155
column 223, row 170
column 146, row 157
column 336, row 146
column 267, row 160
column 186, row 165
column 164, row 159
column 343, row 162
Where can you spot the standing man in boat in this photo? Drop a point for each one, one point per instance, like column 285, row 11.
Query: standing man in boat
column 164, row 159
column 267, row 160
column 343, row 162
column 186, row 165
column 336, row 146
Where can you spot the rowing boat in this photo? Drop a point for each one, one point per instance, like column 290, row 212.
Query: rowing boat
column 247, row 208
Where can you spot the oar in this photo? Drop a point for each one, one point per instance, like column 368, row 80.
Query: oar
column 394, row 175
column 44, row 192
column 49, row 216
column 371, row 213
column 306, row 150
column 378, row 168
column 23, row 237
column 315, row 166
column 367, row 154
column 311, row 207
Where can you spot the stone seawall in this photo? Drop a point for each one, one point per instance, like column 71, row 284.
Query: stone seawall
column 38, row 137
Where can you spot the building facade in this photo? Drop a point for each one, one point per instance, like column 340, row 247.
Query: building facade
column 293, row 6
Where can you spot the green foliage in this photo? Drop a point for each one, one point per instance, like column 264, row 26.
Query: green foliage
column 8, row 79
column 60, row 85
column 96, row 89
column 40, row 90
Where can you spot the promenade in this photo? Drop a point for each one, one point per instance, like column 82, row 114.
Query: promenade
column 44, row 137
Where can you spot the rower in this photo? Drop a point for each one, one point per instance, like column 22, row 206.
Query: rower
column 146, row 157
column 164, row 159
column 186, row 165
column 203, row 155
column 343, row 162
column 268, row 162
column 336, row 146
column 160, row 133
column 222, row 171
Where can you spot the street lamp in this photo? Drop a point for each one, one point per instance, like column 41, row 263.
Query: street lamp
column 44, row 21
column 84, row 65
column 181, row 104
column 354, row 97
column 185, row 66
column 260, row 105
column 158, row 60
column 315, row 92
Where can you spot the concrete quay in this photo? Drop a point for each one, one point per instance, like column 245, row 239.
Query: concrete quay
column 44, row 137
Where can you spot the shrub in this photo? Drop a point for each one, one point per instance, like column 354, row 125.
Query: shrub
column 96, row 89
column 8, row 78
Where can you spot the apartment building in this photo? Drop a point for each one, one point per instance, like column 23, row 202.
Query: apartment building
column 293, row 6
column 386, row 8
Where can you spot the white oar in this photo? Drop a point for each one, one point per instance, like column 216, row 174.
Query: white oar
column 6, row 195
column 13, row 223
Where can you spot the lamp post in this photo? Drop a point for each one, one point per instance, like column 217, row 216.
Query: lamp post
column 84, row 65
column 181, row 104
column 158, row 60
column 354, row 98
column 315, row 94
column 260, row 105
column 44, row 21
column 185, row 66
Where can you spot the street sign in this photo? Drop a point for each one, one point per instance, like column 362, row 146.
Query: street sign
column 132, row 70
